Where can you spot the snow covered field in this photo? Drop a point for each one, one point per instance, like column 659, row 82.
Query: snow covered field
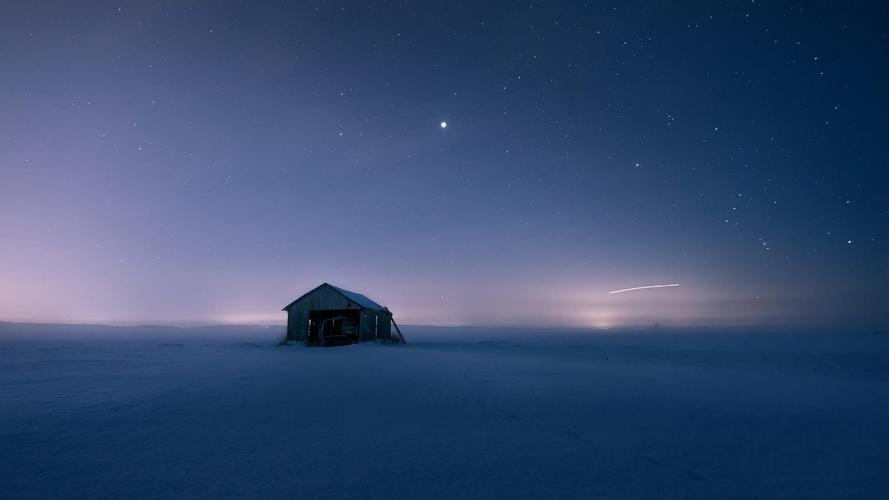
column 94, row 412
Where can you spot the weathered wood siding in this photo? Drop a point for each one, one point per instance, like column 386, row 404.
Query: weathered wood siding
column 320, row 298
column 385, row 325
column 375, row 325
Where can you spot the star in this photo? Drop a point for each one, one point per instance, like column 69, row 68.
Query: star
column 443, row 125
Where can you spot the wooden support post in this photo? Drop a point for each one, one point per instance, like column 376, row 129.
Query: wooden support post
column 392, row 317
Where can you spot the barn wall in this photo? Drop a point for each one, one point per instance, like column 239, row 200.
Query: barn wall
column 291, row 329
column 320, row 298
column 375, row 325
column 385, row 325
column 297, row 324
column 365, row 331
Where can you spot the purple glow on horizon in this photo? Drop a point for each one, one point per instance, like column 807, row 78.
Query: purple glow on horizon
column 168, row 164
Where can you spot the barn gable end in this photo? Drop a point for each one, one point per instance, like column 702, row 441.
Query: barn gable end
column 328, row 311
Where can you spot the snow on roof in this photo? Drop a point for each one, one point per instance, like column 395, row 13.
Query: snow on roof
column 355, row 297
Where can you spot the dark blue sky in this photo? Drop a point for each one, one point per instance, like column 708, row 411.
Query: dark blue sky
column 180, row 162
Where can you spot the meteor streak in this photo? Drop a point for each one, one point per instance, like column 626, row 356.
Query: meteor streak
column 643, row 288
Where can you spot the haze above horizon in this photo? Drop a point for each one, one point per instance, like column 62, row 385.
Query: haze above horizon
column 483, row 163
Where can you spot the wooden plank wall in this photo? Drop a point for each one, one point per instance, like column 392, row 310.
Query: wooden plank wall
column 320, row 298
column 375, row 325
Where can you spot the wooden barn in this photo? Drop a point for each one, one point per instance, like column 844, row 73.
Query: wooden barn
column 329, row 315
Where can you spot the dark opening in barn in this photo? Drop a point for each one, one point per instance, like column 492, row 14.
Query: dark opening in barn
column 328, row 315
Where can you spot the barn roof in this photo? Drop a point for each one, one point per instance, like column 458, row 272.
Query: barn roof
column 358, row 298
column 355, row 297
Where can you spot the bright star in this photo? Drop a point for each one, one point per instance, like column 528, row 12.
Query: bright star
column 444, row 124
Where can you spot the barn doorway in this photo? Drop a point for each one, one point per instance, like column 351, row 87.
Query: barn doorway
column 333, row 327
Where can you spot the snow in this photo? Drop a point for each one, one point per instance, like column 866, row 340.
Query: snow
column 105, row 412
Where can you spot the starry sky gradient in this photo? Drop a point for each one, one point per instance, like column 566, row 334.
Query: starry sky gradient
column 189, row 162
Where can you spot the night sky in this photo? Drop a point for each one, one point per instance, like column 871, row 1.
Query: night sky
column 208, row 162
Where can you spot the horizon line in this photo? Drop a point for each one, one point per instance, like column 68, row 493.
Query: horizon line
column 615, row 328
